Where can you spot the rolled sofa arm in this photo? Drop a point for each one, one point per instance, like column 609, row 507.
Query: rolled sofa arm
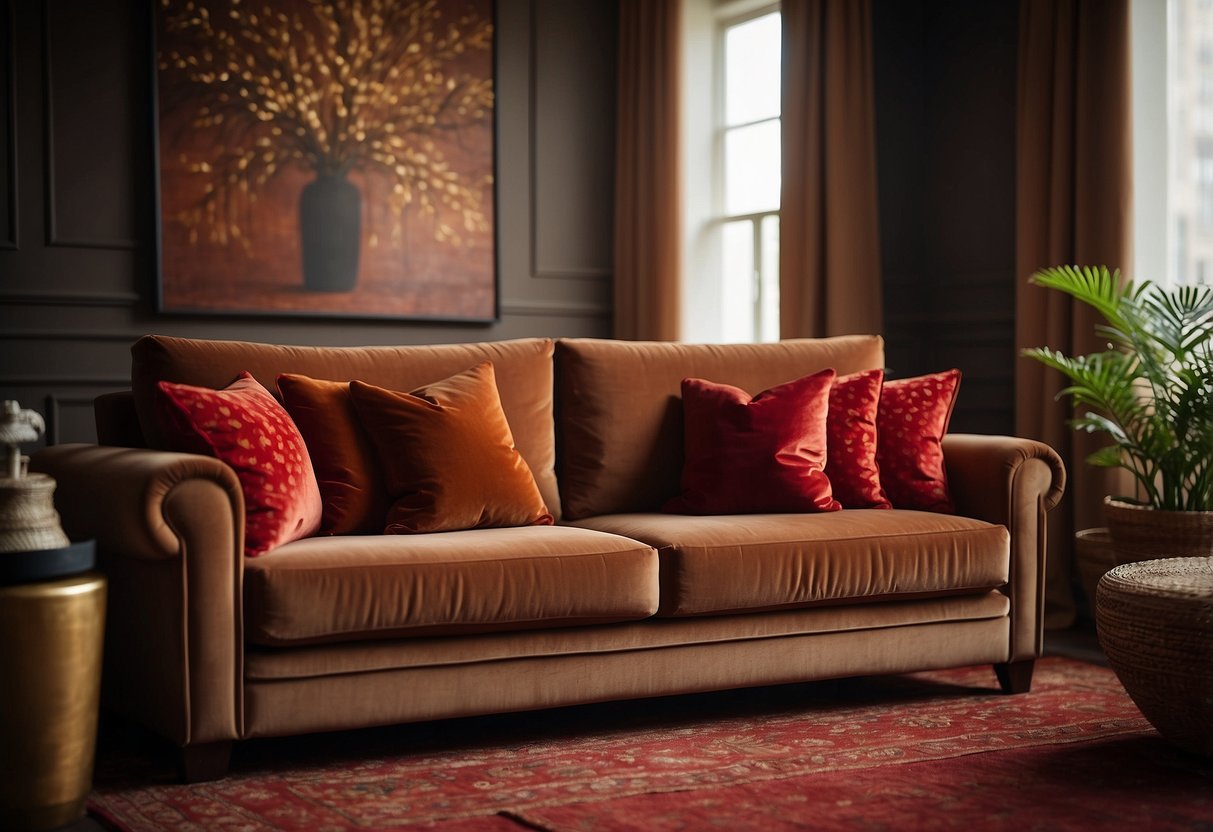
column 138, row 502
column 170, row 538
column 1012, row 482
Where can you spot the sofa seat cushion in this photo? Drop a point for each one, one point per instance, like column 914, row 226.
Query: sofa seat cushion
column 484, row 580
column 744, row 563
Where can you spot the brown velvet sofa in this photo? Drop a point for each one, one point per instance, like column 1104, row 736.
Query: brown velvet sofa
column 614, row 601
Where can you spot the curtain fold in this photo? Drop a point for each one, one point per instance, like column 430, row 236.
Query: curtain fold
column 647, row 185
column 829, row 250
column 1073, row 206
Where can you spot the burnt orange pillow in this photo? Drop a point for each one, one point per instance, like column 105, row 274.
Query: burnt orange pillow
column 851, row 433
column 244, row 426
column 755, row 455
column 347, row 468
column 912, row 421
column 448, row 456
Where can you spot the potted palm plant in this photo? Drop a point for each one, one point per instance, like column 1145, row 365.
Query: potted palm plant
column 1151, row 393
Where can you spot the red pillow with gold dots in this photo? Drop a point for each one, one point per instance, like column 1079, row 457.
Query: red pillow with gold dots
column 244, row 426
column 851, row 433
column 910, row 425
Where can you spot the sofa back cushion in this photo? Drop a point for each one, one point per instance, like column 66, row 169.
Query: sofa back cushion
column 619, row 411
column 523, row 371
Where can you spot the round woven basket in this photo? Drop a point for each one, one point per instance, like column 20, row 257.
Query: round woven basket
column 1155, row 623
column 1143, row 533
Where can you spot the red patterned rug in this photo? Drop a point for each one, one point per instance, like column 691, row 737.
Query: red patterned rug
column 940, row 750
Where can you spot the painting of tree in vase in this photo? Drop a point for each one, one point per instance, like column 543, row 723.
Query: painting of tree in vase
column 326, row 157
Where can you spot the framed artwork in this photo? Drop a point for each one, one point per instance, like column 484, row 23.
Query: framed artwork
column 326, row 158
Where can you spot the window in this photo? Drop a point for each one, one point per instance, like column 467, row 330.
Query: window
column 732, row 130
column 1173, row 167
column 750, row 168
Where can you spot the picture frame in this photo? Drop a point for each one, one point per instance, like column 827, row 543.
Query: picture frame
column 326, row 159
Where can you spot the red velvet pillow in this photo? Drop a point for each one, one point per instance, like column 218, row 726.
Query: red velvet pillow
column 760, row 455
column 851, row 431
column 448, row 456
column 346, row 464
column 244, row 426
column 911, row 424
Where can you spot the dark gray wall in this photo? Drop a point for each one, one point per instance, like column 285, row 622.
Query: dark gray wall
column 77, row 231
column 77, row 263
column 945, row 134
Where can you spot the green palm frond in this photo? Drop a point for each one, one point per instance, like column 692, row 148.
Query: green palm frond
column 1151, row 393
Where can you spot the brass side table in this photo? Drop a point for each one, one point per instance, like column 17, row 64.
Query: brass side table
column 52, row 619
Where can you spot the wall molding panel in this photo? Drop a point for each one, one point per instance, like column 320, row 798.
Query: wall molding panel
column 566, row 202
column 71, row 298
column 54, row 405
column 54, row 236
column 554, row 309
column 8, row 129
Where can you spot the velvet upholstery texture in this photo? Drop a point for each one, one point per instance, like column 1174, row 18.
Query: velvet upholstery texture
column 448, row 456
column 714, row 565
column 620, row 412
column 755, row 455
column 911, row 424
column 522, row 367
column 851, row 440
column 346, row 465
column 338, row 658
column 480, row 581
column 244, row 426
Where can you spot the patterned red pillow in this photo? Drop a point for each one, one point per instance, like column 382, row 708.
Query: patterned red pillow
column 851, row 431
column 244, row 426
column 911, row 423
column 759, row 455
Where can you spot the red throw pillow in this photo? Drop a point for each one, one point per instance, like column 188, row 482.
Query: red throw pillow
column 759, row 455
column 448, row 456
column 851, row 431
column 911, row 424
column 244, row 426
column 346, row 464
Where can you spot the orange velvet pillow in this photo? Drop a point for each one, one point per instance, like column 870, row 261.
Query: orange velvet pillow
column 448, row 456
column 851, row 431
column 912, row 421
column 347, row 468
column 244, row 426
column 755, row 455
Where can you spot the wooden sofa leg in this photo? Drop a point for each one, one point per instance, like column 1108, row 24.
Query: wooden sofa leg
column 208, row 761
column 1015, row 677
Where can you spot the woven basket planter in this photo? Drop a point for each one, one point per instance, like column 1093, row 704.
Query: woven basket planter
column 1155, row 623
column 1141, row 533
column 1095, row 554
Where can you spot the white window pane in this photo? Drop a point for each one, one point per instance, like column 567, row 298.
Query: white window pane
column 769, row 280
column 1189, row 190
column 751, row 164
column 737, row 284
column 751, row 66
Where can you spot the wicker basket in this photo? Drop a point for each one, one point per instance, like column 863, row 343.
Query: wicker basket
column 1142, row 533
column 1095, row 555
column 1155, row 623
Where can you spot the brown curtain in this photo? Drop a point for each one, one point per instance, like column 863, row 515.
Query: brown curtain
column 647, row 183
column 829, row 248
column 1073, row 206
